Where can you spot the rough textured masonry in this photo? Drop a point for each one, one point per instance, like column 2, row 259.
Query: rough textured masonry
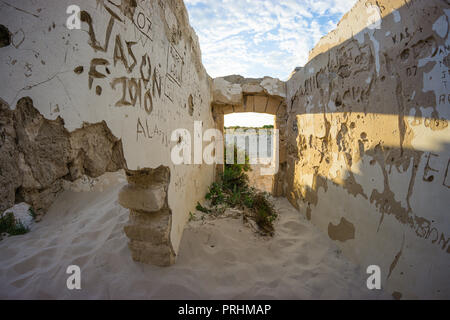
column 38, row 154
column 364, row 135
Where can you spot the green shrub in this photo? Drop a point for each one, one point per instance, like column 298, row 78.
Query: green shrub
column 215, row 194
column 201, row 208
column 32, row 213
column 8, row 224
column 235, row 197
column 235, row 174
column 265, row 212
column 248, row 200
column 233, row 191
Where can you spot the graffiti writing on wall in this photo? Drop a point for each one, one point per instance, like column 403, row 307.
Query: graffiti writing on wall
column 129, row 67
column 430, row 171
column 174, row 71
column 142, row 81
column 425, row 230
column 143, row 23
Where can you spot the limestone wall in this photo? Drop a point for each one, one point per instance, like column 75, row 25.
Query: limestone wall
column 368, row 141
column 134, row 67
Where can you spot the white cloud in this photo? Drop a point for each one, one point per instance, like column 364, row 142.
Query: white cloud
column 255, row 38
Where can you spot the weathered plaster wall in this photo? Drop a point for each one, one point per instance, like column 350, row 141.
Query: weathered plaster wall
column 135, row 66
column 369, row 141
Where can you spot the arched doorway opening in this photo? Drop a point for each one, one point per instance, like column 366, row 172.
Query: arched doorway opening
column 255, row 133
column 267, row 96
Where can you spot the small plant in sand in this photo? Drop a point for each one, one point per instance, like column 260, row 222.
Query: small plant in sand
column 32, row 213
column 200, row 208
column 265, row 212
column 233, row 191
column 10, row 225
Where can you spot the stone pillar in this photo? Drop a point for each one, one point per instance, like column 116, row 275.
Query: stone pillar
column 219, row 119
column 150, row 216
column 279, row 178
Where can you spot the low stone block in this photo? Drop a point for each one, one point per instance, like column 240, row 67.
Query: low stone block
column 149, row 227
column 147, row 178
column 157, row 254
column 151, row 199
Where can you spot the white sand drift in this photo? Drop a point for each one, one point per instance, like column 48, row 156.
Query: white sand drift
column 218, row 259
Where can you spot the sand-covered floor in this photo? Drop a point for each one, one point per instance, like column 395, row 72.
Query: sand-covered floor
column 218, row 259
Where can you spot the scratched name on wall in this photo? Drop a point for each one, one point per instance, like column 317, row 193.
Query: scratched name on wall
column 143, row 82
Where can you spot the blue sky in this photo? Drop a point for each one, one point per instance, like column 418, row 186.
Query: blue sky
column 256, row 38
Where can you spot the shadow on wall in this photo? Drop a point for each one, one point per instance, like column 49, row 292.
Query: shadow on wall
column 369, row 117
column 359, row 180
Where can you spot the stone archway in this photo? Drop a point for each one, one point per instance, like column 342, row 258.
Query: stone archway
column 236, row 94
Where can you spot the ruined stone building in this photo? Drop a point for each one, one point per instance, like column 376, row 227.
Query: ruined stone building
column 364, row 138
